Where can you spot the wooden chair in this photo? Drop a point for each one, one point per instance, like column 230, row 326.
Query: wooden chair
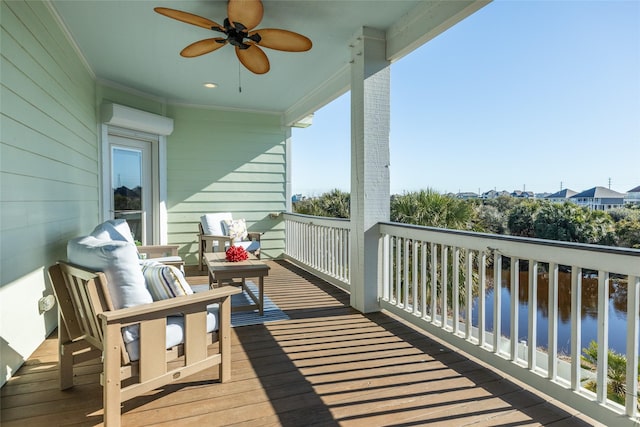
column 218, row 243
column 89, row 328
column 166, row 254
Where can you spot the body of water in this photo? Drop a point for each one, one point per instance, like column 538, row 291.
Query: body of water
column 589, row 310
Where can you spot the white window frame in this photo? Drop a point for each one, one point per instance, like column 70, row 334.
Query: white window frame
column 145, row 124
column 158, row 176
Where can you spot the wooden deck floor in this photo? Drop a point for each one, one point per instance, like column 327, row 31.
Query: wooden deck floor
column 328, row 365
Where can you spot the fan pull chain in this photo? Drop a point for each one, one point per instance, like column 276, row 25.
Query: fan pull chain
column 239, row 80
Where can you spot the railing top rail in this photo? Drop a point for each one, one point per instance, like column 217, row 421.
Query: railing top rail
column 608, row 258
column 343, row 223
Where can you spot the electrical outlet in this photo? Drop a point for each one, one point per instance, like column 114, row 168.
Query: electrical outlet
column 46, row 303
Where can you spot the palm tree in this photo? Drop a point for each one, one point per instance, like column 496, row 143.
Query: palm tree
column 429, row 208
column 616, row 372
column 333, row 204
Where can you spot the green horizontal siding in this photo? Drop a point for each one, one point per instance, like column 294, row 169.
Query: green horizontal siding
column 48, row 167
column 224, row 161
column 183, row 183
column 73, row 152
column 217, row 161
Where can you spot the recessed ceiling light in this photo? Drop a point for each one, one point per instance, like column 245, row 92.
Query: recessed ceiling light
column 210, row 85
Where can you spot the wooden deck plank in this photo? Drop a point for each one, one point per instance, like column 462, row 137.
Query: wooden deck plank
column 328, row 365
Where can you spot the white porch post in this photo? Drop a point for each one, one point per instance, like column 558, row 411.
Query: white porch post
column 288, row 192
column 370, row 78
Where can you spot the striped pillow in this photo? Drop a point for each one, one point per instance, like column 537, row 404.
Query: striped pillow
column 164, row 281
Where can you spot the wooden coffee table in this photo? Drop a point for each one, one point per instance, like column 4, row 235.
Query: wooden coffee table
column 223, row 271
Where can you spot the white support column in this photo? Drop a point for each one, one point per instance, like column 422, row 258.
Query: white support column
column 288, row 193
column 370, row 112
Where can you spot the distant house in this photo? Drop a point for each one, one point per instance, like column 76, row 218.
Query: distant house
column 561, row 196
column 522, row 194
column 599, row 199
column 633, row 196
column 492, row 194
column 467, row 195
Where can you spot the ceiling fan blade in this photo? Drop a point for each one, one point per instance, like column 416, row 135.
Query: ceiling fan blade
column 247, row 12
column 203, row 46
column 254, row 59
column 187, row 17
column 285, row 40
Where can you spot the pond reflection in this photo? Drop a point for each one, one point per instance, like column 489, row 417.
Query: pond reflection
column 589, row 310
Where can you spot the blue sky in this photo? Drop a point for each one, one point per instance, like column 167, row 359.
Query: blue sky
column 520, row 95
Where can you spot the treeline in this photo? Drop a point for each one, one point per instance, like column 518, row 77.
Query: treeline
column 502, row 215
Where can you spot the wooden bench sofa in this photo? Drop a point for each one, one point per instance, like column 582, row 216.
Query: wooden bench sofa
column 90, row 328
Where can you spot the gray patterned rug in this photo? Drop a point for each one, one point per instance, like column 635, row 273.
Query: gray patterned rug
column 272, row 312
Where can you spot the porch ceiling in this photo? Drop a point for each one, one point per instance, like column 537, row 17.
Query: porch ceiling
column 127, row 43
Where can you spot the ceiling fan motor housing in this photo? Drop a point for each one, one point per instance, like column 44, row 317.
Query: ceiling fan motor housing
column 237, row 34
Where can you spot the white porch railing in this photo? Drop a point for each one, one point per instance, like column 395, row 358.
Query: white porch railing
column 432, row 277
column 319, row 245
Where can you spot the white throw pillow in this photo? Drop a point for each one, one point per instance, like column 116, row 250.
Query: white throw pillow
column 213, row 223
column 113, row 229
column 236, row 229
column 119, row 262
column 164, row 281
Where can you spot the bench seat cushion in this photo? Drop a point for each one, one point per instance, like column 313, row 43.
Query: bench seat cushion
column 249, row 245
column 175, row 331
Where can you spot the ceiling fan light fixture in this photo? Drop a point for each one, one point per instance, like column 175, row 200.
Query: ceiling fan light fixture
column 210, row 85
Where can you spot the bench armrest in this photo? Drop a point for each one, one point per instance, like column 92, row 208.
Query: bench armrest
column 159, row 309
column 158, row 251
column 210, row 238
column 214, row 237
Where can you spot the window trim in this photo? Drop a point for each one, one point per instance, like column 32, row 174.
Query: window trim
column 158, row 176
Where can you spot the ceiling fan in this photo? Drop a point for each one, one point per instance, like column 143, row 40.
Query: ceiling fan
column 243, row 17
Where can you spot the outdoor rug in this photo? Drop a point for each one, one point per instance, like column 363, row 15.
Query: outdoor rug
column 245, row 318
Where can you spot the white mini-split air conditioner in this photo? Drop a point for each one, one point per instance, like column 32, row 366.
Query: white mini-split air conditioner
column 130, row 118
